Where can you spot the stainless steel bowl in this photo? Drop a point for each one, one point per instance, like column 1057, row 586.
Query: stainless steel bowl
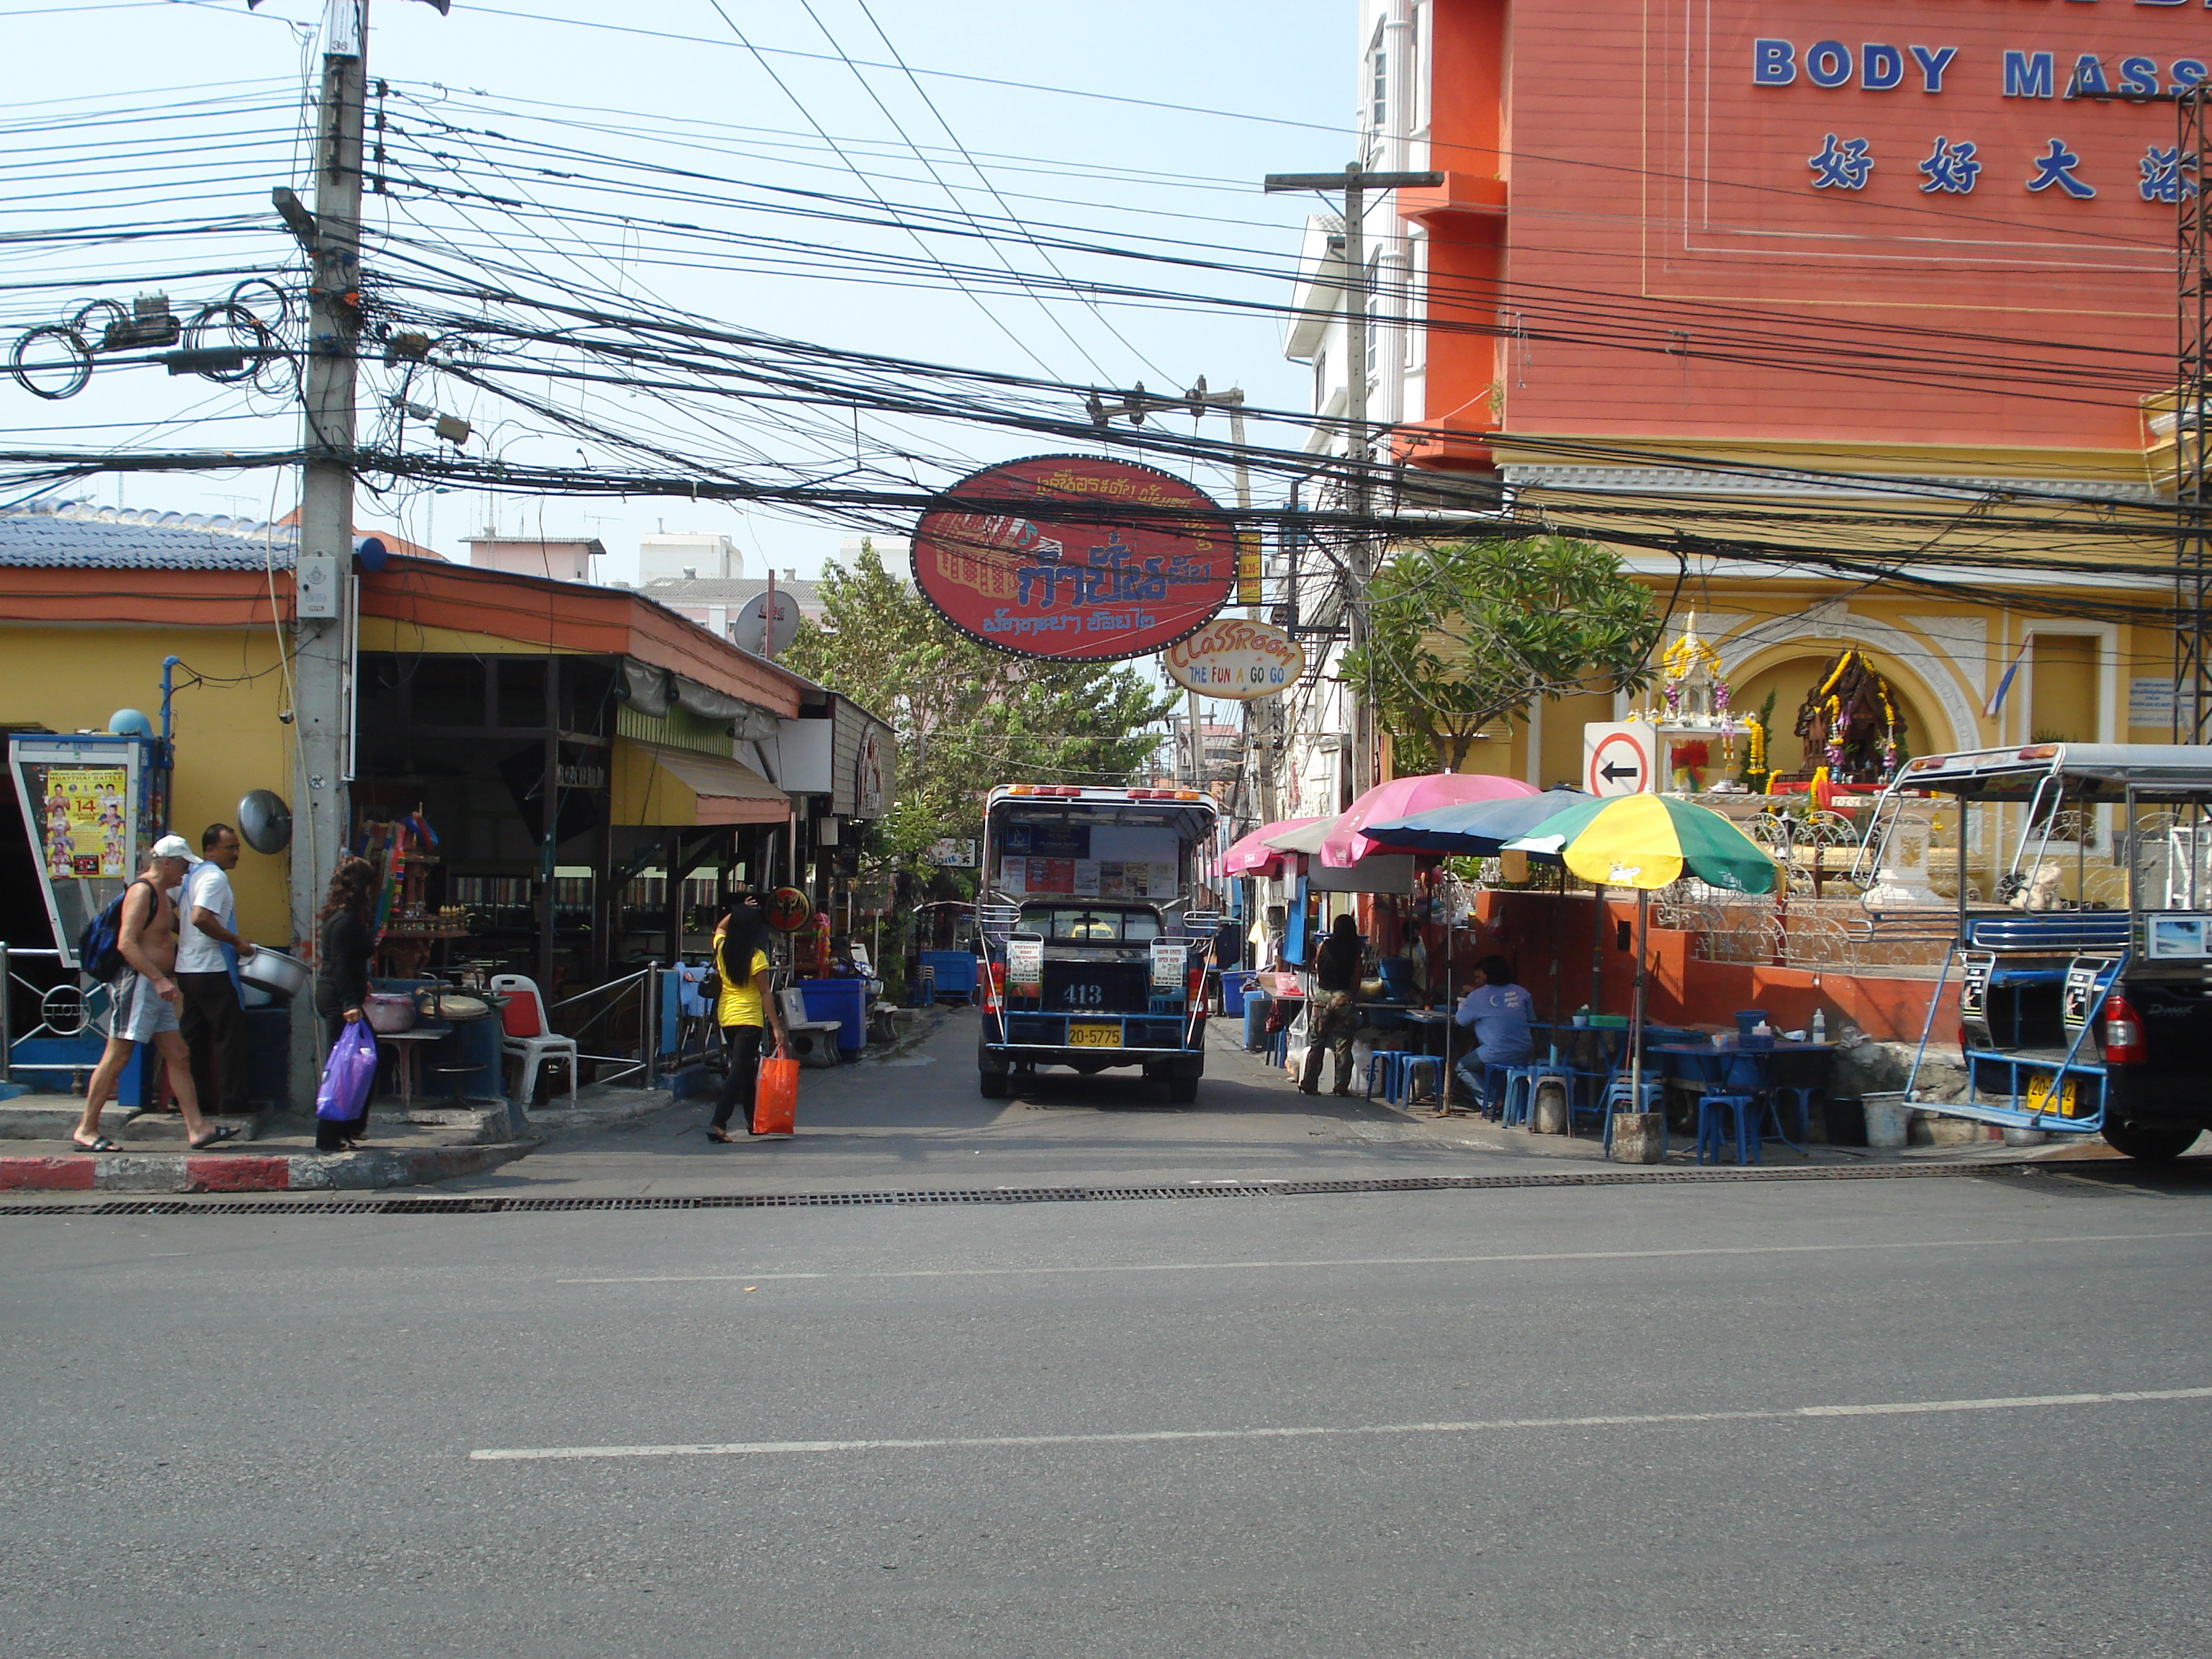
column 283, row 976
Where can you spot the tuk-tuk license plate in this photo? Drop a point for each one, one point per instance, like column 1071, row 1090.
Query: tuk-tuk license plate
column 2040, row 1092
column 1094, row 1037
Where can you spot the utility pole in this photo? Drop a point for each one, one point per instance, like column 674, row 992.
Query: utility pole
column 321, row 646
column 1355, row 182
column 2192, row 489
column 1133, row 407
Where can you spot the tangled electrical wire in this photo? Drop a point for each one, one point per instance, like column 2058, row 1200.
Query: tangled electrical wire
column 227, row 341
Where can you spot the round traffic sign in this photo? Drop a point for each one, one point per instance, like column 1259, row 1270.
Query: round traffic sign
column 1619, row 765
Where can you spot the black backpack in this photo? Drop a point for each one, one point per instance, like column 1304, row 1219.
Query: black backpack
column 99, row 946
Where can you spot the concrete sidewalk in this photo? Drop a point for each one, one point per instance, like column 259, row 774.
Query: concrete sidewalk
column 915, row 1119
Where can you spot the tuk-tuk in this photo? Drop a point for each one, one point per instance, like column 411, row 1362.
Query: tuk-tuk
column 2085, row 976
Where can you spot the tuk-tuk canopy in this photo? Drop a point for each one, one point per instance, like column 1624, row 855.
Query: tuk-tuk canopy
column 2107, row 771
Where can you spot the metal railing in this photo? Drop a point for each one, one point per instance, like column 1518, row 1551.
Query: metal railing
column 65, row 1011
column 645, row 987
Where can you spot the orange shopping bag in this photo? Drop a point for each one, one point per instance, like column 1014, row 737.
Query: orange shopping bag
column 775, row 1096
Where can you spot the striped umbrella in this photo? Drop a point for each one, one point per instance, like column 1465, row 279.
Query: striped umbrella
column 1646, row 842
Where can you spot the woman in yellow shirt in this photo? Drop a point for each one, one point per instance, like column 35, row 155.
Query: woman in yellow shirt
column 745, row 1009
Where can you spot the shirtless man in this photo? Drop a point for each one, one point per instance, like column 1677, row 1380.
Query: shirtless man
column 147, row 1000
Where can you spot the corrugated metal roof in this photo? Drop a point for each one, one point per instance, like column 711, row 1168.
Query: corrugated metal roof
column 78, row 536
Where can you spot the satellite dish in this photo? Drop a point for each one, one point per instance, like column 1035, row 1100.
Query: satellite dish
column 264, row 821
column 745, row 628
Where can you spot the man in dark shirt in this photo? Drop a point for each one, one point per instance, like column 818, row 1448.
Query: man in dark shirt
column 1334, row 1015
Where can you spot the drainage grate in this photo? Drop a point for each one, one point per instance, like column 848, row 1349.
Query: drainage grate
column 473, row 1205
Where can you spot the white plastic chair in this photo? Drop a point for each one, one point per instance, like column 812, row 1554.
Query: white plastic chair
column 534, row 1050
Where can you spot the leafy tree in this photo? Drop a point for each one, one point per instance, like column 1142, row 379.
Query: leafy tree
column 1463, row 635
column 968, row 717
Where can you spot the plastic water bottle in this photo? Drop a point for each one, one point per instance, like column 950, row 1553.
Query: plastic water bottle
column 1819, row 1025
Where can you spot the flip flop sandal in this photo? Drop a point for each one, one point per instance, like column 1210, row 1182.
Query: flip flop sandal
column 721, row 1138
column 215, row 1138
column 97, row 1144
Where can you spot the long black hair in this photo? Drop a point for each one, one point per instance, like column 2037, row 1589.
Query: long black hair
column 745, row 931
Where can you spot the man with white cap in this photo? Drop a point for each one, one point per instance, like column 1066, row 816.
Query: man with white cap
column 147, row 1000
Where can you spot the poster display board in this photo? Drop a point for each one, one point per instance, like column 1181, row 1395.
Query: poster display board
column 91, row 804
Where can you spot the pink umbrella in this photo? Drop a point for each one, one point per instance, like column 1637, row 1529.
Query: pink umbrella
column 1250, row 855
column 1347, row 845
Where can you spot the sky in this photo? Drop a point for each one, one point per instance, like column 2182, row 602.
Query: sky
column 183, row 114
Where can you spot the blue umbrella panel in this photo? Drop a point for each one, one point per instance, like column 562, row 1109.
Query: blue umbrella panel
column 1476, row 828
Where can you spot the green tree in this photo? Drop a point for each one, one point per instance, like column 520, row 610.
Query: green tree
column 1466, row 634
column 968, row 717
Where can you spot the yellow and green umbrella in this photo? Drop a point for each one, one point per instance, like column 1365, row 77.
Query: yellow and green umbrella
column 1647, row 841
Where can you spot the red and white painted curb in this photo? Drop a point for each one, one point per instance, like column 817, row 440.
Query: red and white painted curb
column 249, row 1172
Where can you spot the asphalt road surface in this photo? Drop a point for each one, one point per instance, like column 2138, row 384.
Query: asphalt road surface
column 1960, row 1415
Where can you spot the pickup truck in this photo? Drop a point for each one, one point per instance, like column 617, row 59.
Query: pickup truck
column 1095, row 956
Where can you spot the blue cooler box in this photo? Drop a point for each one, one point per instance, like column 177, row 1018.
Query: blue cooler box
column 846, row 1002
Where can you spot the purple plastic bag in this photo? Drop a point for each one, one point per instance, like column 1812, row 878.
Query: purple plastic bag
column 348, row 1075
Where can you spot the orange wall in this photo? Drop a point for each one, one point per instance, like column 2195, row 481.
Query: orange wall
column 1531, row 929
column 1655, row 188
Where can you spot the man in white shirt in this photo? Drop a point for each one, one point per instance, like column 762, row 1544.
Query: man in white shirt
column 208, row 949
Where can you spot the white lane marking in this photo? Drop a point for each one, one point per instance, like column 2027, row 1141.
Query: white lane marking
column 1157, row 1437
column 1394, row 1260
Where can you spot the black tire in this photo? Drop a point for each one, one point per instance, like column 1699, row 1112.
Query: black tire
column 993, row 1085
column 2151, row 1142
column 1182, row 1091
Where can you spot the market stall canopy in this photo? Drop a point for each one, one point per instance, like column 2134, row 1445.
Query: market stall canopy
column 1306, row 838
column 1347, row 842
column 1477, row 829
column 1254, row 855
column 1647, row 841
column 656, row 785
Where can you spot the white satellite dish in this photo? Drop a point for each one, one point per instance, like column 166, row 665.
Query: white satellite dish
column 746, row 627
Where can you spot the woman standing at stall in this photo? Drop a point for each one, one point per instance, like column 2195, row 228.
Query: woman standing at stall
column 742, row 1010
column 1332, row 1017
column 349, row 940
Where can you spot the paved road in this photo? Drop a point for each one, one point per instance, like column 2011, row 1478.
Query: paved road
column 1531, row 1422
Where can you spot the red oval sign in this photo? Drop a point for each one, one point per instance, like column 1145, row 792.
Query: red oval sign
column 1044, row 565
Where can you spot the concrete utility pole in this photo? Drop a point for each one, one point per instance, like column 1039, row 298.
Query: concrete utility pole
column 322, row 645
column 1355, row 182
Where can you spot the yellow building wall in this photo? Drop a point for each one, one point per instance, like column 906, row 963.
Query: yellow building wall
column 228, row 739
column 2063, row 688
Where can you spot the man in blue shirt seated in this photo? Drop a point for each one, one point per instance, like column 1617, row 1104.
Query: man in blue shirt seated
column 1498, row 1010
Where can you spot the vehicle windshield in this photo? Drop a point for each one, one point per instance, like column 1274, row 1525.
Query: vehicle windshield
column 1083, row 924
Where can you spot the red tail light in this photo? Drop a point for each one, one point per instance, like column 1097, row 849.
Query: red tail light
column 1193, row 981
column 997, row 983
column 2124, row 1033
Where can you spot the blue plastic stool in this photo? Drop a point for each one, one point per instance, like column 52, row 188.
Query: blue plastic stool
column 1519, row 1103
column 1719, row 1114
column 1414, row 1066
column 1391, row 1063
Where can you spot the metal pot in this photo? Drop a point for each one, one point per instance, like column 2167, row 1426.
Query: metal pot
column 436, row 1002
column 387, row 1013
column 283, row 976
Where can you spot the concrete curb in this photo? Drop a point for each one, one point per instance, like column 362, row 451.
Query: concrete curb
column 252, row 1172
